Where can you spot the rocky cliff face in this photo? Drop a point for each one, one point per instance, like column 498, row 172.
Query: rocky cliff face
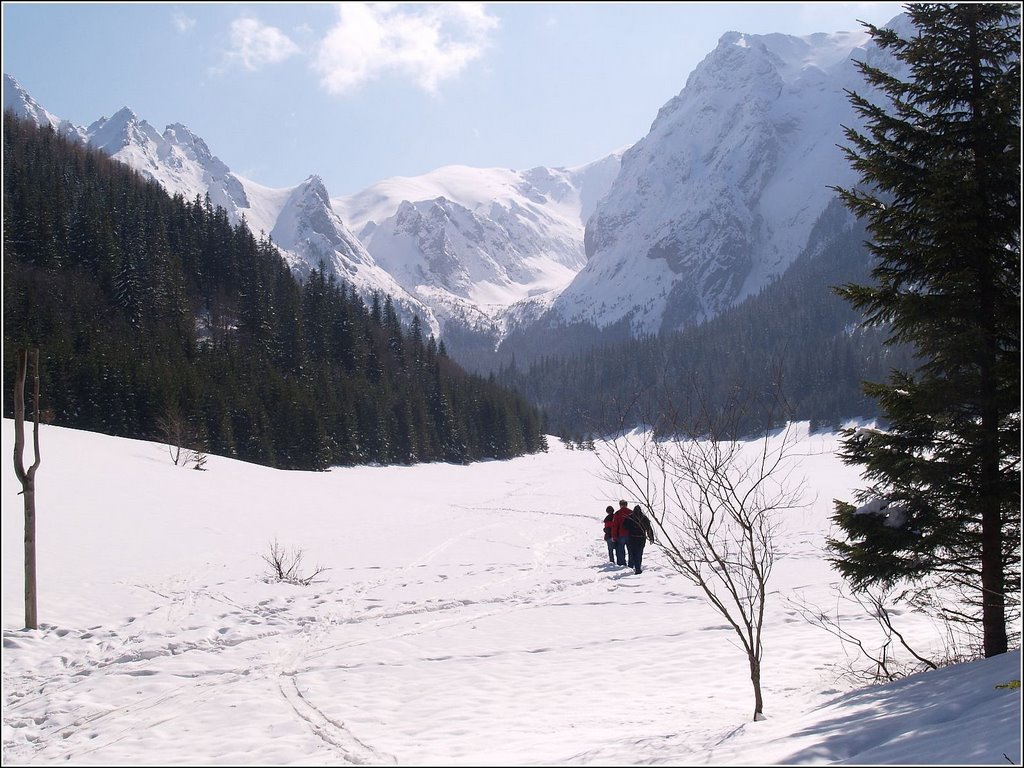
column 722, row 193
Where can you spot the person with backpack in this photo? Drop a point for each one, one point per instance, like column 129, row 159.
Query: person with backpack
column 608, row 538
column 620, row 535
column 638, row 530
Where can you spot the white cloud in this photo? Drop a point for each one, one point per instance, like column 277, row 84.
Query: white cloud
column 255, row 44
column 426, row 43
column 182, row 22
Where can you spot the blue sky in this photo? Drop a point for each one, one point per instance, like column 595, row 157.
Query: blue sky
column 359, row 92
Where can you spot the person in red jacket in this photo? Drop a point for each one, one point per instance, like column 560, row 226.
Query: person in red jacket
column 609, row 539
column 620, row 534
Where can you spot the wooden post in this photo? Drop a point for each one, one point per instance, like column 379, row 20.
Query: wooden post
column 27, row 478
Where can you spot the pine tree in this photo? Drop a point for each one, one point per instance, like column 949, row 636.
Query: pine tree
column 940, row 172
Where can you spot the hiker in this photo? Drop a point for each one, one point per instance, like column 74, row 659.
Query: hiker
column 637, row 527
column 620, row 534
column 609, row 539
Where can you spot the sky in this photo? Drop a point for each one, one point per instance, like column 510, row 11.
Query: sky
column 357, row 93
column 465, row 615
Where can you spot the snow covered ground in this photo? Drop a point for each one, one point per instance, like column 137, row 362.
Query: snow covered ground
column 467, row 617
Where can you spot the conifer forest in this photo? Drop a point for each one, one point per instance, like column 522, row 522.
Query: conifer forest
column 150, row 310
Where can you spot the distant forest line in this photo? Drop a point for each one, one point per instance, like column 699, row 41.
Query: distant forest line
column 795, row 351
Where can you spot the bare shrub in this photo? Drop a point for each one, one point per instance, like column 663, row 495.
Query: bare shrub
column 880, row 660
column 286, row 565
column 184, row 444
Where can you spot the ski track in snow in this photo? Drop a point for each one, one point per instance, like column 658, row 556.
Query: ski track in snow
column 316, row 620
column 245, row 643
column 474, row 624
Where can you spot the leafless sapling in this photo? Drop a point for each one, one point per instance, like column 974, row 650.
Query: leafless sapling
column 715, row 499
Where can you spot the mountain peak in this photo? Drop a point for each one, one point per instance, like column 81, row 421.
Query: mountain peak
column 123, row 116
column 179, row 134
column 15, row 96
column 313, row 189
column 188, row 147
column 24, row 106
column 124, row 130
column 722, row 194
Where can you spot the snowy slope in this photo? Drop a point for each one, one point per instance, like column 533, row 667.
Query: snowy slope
column 480, row 624
column 479, row 240
column 24, row 106
column 722, row 193
column 178, row 159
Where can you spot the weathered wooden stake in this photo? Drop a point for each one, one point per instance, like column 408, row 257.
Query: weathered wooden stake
column 27, row 478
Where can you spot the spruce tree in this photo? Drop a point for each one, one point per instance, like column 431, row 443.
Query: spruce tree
column 939, row 167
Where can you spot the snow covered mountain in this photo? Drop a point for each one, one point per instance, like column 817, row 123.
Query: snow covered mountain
column 299, row 219
column 458, row 247
column 480, row 246
column 178, row 159
column 24, row 106
column 722, row 194
column 716, row 201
